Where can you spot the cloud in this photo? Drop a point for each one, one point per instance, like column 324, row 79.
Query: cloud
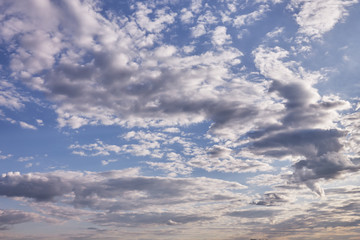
column 317, row 18
column 146, row 219
column 40, row 122
column 25, row 159
column 99, row 69
column 271, row 199
column 120, row 198
column 265, row 180
column 12, row 217
column 306, row 125
column 3, row 157
column 10, row 96
column 219, row 36
column 252, row 17
column 253, row 213
column 27, row 125
column 95, row 149
column 106, row 162
column 97, row 191
column 35, row 186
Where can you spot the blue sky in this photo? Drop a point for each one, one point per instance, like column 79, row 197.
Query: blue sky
column 169, row 119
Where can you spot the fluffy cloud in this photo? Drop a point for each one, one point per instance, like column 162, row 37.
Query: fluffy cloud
column 219, row 36
column 101, row 69
column 318, row 17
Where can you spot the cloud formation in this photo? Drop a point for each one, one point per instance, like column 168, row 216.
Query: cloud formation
column 184, row 103
column 116, row 192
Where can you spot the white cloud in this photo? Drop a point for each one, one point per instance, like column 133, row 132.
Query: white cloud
column 276, row 32
column 318, row 17
column 186, row 16
column 248, row 19
column 27, row 125
column 165, row 51
column 106, row 162
column 198, row 30
column 3, row 157
column 101, row 70
column 265, row 180
column 156, row 25
column 196, row 5
column 10, row 96
column 220, row 37
column 25, row 159
column 95, row 149
column 40, row 122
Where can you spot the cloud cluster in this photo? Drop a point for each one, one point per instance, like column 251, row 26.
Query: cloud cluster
column 123, row 196
column 99, row 68
column 317, row 18
column 307, row 123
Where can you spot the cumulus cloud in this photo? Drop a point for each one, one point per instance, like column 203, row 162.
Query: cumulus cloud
column 318, row 17
column 307, row 123
column 98, row 69
column 219, row 36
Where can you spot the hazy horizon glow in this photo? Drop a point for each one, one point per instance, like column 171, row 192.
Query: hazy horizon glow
column 169, row 119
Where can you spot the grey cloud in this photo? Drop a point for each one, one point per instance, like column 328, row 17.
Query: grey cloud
column 271, row 199
column 327, row 166
column 129, row 219
column 254, row 213
column 103, row 70
column 296, row 94
column 111, row 80
column 303, row 105
column 96, row 191
column 342, row 191
column 322, row 150
column 44, row 188
column 12, row 217
column 308, row 142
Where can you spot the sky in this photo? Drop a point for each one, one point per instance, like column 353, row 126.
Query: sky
column 179, row 119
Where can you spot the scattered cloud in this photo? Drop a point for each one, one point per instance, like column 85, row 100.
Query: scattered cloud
column 27, row 125
column 225, row 123
column 317, row 18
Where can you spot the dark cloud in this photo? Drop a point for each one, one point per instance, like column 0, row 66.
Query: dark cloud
column 271, row 199
column 44, row 188
column 304, row 142
column 327, row 166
